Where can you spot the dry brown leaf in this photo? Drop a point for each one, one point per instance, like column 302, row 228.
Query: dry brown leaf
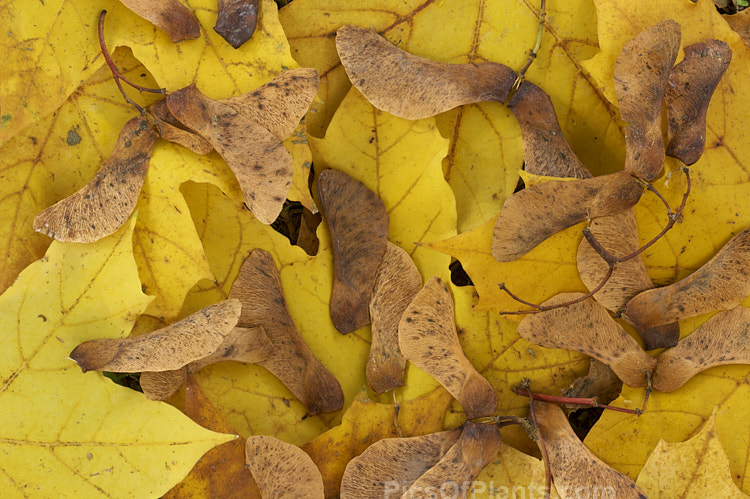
column 281, row 469
column 720, row 284
column 586, row 327
column 221, row 472
column 398, row 281
column 618, row 234
column 258, row 287
column 689, row 90
column 358, row 224
column 170, row 15
column 392, row 465
column 236, row 20
column 641, row 73
column 248, row 345
column 600, row 382
column 247, row 131
column 723, row 339
column 165, row 349
column 103, row 205
column 428, row 339
column 172, row 130
column 545, row 150
column 412, row 87
column 574, row 468
column 533, row 214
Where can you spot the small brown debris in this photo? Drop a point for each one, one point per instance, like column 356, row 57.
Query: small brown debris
column 236, row 20
column 533, row 214
column 721, row 340
column 103, row 205
column 689, row 90
column 358, row 224
column 641, row 73
column 281, row 469
column 720, row 284
column 170, row 15
column 586, row 327
column 165, row 349
column 258, row 287
column 412, row 87
column 428, row 339
column 574, row 467
column 398, row 281
column 545, row 150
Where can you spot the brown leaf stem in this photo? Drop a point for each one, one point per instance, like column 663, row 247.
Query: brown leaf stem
column 591, row 402
column 117, row 75
column 608, row 257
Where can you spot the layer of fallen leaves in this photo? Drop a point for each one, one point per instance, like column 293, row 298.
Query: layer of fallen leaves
column 440, row 180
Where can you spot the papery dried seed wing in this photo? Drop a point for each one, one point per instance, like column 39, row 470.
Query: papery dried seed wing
column 358, row 224
column 533, row 214
column 574, row 467
column 691, row 84
column 723, row 339
column 398, row 281
column 165, row 349
column 281, row 469
column 258, row 287
column 103, row 205
column 719, row 284
column 428, row 339
column 586, row 327
column 412, row 87
column 545, row 150
column 641, row 73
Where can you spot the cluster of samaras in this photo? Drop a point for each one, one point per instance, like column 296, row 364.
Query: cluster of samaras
column 377, row 283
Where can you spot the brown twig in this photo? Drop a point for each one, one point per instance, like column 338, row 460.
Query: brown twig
column 609, row 258
column 117, row 75
column 590, row 402
column 532, row 53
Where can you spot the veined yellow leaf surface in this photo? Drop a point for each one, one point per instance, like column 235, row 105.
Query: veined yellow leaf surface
column 485, row 148
column 218, row 69
column 695, row 468
column 68, row 434
column 400, row 161
column 55, row 157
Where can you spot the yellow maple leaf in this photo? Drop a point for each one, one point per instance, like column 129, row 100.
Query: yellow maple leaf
column 485, row 146
column 218, row 69
column 625, row 442
column 512, row 474
column 49, row 49
column 56, row 156
column 697, row 467
column 85, row 435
